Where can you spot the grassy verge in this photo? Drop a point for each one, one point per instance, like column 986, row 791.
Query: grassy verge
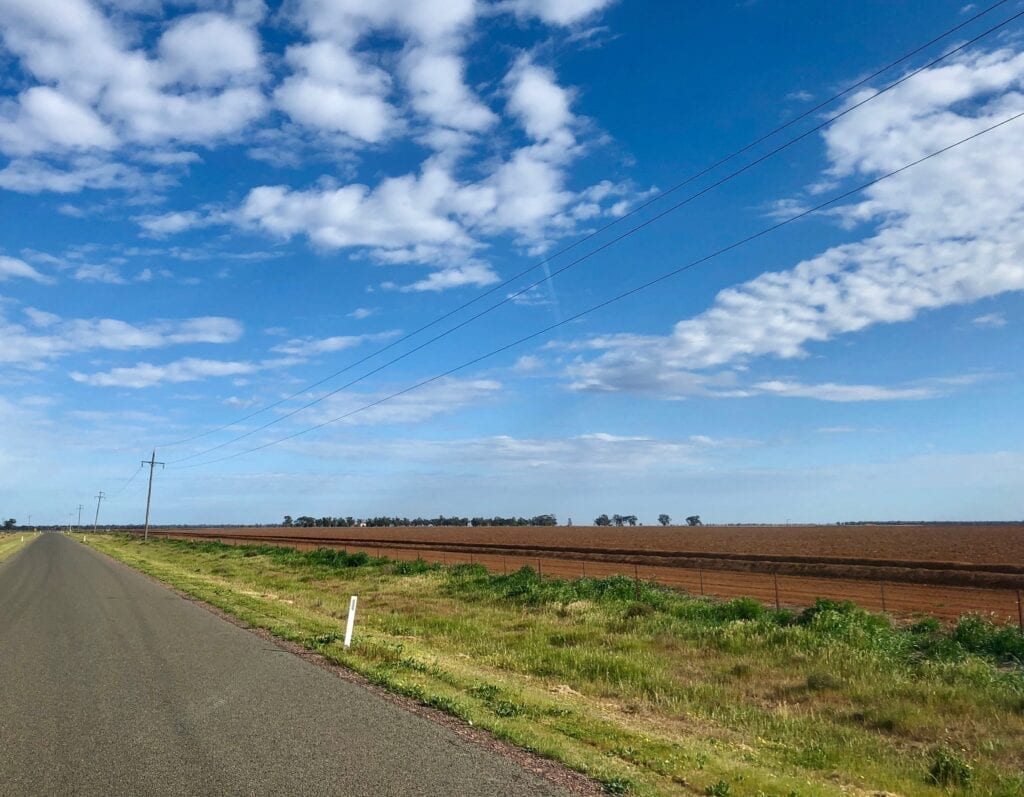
column 646, row 689
column 10, row 542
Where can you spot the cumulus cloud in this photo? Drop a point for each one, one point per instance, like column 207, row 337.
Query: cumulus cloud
column 439, row 92
column 946, row 232
column 333, row 91
column 97, row 90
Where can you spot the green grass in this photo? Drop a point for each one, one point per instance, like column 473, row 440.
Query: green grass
column 12, row 541
column 645, row 689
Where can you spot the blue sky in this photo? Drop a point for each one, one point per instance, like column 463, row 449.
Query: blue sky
column 207, row 207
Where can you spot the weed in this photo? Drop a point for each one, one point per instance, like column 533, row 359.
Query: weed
column 616, row 785
column 412, row 568
column 950, row 769
column 719, row 789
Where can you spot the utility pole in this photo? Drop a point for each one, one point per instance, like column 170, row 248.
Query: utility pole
column 79, row 526
column 96, row 520
column 149, row 493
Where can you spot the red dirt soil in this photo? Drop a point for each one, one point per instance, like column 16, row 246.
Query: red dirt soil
column 942, row 570
column 973, row 544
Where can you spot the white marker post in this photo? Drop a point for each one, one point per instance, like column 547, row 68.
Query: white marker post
column 351, row 620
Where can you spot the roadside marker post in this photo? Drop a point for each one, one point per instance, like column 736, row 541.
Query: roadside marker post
column 351, row 620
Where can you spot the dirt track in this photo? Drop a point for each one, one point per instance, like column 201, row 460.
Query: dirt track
column 945, row 571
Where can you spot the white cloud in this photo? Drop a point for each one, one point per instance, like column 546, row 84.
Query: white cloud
column 33, row 176
column 557, row 12
column 209, row 50
column 24, row 346
column 539, row 102
column 141, row 375
column 362, row 312
column 12, row 267
column 333, row 91
column 440, row 93
column 99, row 273
column 832, row 392
column 946, row 232
column 438, row 398
column 476, row 274
column 169, row 223
column 311, row 347
column 96, row 90
column 43, row 119
column 595, row 451
column 992, row 320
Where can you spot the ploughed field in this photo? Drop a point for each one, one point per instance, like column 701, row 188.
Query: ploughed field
column 945, row 570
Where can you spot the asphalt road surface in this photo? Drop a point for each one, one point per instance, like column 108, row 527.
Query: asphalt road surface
column 113, row 685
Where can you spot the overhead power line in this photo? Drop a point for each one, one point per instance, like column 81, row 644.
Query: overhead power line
column 597, row 232
column 619, row 297
column 124, row 486
column 607, row 244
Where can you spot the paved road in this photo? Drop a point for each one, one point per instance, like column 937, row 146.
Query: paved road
column 112, row 685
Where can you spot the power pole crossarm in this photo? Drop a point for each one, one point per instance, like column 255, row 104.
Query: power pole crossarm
column 149, row 493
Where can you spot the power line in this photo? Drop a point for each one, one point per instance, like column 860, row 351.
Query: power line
column 652, row 200
column 607, row 244
column 124, row 486
column 619, row 297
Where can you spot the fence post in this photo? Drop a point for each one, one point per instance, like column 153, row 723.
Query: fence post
column 539, row 571
column 584, row 563
column 1020, row 612
column 776, row 576
column 700, row 573
column 504, row 565
column 882, row 585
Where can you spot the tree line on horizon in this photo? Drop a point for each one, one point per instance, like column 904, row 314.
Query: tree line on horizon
column 307, row 521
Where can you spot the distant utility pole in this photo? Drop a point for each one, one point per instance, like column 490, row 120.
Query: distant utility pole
column 96, row 520
column 149, row 493
column 79, row 526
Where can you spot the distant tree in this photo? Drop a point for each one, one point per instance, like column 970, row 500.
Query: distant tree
column 694, row 520
column 305, row 521
column 544, row 520
column 630, row 519
column 618, row 520
column 602, row 520
column 664, row 519
column 287, row 520
column 10, row 523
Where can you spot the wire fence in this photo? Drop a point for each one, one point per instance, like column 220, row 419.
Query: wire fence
column 773, row 589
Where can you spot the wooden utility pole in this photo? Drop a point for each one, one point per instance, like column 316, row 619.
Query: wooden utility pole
column 78, row 527
column 96, row 520
column 149, row 493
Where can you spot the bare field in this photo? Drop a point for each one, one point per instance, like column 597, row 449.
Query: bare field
column 945, row 571
column 998, row 543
